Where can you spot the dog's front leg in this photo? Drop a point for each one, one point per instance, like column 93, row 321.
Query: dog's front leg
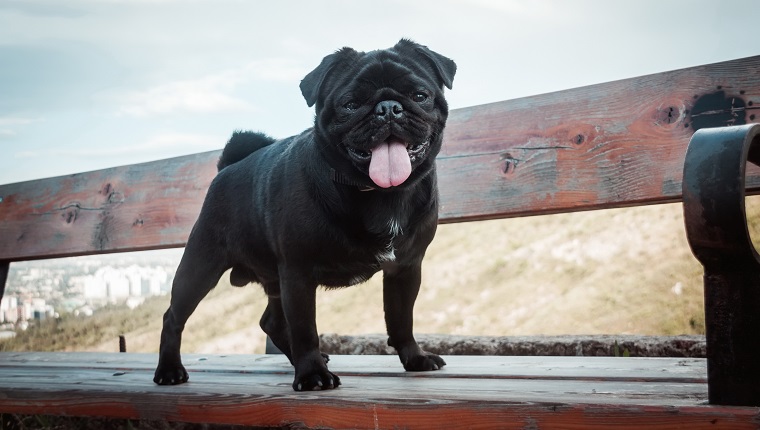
column 400, row 288
column 298, row 295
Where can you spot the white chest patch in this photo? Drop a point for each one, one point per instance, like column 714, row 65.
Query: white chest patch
column 389, row 255
column 394, row 228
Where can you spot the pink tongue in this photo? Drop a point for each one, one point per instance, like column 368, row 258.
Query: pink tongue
column 390, row 165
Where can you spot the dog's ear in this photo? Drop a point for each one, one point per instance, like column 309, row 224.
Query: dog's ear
column 444, row 67
column 312, row 83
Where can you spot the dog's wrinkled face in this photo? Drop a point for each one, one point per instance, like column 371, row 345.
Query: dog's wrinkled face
column 381, row 114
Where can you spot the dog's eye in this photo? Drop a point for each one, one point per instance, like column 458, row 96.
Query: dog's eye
column 360, row 153
column 419, row 97
column 352, row 105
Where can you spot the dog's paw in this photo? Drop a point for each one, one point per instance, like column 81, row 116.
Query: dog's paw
column 424, row 362
column 326, row 357
column 322, row 380
column 170, row 375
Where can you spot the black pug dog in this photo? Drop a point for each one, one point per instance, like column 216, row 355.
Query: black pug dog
column 330, row 207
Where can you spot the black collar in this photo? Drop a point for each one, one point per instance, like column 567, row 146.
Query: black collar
column 344, row 180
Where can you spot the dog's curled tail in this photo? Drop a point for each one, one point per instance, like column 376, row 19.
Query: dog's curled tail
column 241, row 145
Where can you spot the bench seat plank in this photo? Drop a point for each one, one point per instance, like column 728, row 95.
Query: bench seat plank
column 471, row 392
column 687, row 370
column 609, row 145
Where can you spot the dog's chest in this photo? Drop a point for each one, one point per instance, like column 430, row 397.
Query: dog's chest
column 365, row 256
column 388, row 253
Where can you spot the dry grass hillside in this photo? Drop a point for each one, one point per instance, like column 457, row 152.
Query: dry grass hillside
column 615, row 271
column 621, row 271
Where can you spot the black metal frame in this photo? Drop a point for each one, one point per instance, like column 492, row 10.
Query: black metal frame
column 716, row 227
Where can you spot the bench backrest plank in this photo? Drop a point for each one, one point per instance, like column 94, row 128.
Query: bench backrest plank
column 616, row 144
column 609, row 145
column 137, row 207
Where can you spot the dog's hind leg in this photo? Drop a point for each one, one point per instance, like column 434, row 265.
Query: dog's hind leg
column 274, row 325
column 197, row 274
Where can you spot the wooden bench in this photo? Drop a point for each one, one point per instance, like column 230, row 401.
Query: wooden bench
column 611, row 145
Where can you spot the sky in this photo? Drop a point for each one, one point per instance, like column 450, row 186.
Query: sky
column 90, row 84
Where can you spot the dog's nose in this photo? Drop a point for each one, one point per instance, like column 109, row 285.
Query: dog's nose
column 389, row 109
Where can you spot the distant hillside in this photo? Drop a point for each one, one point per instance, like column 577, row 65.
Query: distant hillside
column 622, row 271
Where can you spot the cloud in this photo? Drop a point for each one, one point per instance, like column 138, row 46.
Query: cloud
column 163, row 144
column 524, row 13
column 187, row 142
column 276, row 70
column 6, row 121
column 8, row 125
column 41, row 9
column 203, row 95
column 212, row 93
column 52, row 76
column 512, row 7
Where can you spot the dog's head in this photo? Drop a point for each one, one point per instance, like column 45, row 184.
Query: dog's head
column 380, row 115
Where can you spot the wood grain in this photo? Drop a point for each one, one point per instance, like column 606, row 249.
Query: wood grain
column 137, row 207
column 686, row 370
column 617, row 144
column 255, row 390
column 609, row 145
